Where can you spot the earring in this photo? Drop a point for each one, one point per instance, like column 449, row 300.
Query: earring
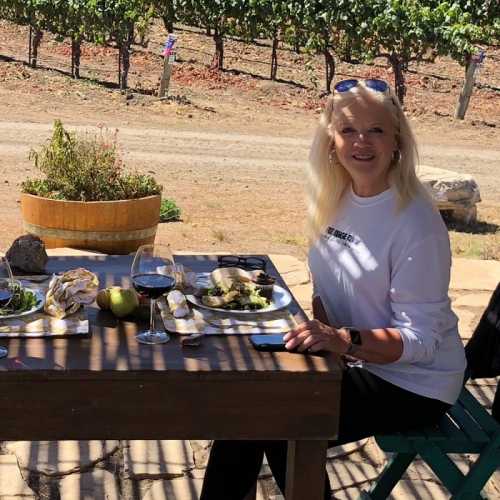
column 396, row 157
column 331, row 156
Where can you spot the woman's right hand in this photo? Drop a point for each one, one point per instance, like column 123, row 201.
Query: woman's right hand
column 316, row 336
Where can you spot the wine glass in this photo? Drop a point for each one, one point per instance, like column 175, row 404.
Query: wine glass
column 153, row 275
column 6, row 282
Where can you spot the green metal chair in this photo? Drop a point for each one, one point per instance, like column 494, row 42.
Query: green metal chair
column 466, row 428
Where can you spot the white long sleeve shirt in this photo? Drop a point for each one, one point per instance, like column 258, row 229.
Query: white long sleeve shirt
column 377, row 268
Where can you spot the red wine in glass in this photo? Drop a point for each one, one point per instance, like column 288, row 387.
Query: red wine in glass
column 153, row 275
column 153, row 285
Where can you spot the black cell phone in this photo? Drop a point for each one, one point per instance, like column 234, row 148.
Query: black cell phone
column 275, row 343
column 268, row 342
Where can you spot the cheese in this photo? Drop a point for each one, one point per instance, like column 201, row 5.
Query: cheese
column 177, row 304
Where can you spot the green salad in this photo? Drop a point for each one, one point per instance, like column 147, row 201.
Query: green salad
column 240, row 296
column 22, row 300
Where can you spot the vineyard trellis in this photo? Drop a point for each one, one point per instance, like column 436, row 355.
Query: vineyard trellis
column 399, row 30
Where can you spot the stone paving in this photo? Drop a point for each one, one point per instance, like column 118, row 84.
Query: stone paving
column 173, row 470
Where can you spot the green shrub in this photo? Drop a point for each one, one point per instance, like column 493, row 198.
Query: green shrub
column 169, row 211
column 85, row 168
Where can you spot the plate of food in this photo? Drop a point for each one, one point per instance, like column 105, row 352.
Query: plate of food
column 233, row 290
column 24, row 301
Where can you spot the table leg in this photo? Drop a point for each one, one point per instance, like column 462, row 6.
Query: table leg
column 305, row 471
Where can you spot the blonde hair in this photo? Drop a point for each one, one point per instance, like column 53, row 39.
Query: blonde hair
column 327, row 177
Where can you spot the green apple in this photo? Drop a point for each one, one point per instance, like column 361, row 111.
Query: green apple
column 122, row 301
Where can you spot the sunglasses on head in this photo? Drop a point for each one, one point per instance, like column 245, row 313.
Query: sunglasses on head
column 372, row 83
column 247, row 263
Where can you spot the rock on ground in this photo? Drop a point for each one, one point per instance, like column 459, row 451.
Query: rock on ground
column 453, row 192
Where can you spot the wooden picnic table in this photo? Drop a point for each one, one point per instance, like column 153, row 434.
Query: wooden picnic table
column 108, row 386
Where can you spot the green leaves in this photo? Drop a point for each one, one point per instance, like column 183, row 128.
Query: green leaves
column 85, row 168
column 169, row 211
column 408, row 29
column 22, row 300
column 93, row 20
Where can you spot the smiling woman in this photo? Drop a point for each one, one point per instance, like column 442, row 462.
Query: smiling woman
column 365, row 143
column 374, row 236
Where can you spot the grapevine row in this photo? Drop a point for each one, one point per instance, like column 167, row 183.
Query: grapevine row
column 350, row 30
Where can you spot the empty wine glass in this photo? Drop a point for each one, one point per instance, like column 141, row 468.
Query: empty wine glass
column 153, row 275
column 6, row 282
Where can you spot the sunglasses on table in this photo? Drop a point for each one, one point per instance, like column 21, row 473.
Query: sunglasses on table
column 247, row 263
column 371, row 83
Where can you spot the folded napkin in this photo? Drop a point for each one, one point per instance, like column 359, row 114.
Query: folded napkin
column 68, row 291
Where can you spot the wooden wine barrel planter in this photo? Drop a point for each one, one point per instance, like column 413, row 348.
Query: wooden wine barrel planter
column 112, row 227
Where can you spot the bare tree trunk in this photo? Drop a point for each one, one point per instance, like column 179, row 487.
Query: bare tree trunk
column 399, row 77
column 348, row 51
column 76, row 52
column 125, row 65
column 329, row 69
column 35, row 39
column 218, row 59
column 169, row 16
column 29, row 44
column 274, row 57
column 125, row 58
column 168, row 23
column 296, row 41
column 119, row 64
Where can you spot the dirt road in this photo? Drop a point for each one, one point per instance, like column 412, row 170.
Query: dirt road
column 237, row 191
column 262, row 156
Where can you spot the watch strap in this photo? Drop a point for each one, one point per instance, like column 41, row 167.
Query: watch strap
column 355, row 336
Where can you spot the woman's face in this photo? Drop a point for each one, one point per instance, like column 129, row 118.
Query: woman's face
column 365, row 141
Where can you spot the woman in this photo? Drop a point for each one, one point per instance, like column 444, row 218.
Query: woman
column 380, row 261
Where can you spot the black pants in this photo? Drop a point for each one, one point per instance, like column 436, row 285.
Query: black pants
column 368, row 406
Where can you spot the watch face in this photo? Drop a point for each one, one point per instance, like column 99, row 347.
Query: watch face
column 355, row 336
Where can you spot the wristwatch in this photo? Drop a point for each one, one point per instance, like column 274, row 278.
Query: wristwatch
column 355, row 341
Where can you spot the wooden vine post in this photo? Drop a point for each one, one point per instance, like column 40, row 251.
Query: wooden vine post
column 464, row 98
column 168, row 60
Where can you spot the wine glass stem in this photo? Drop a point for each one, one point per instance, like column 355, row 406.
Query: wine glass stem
column 152, row 317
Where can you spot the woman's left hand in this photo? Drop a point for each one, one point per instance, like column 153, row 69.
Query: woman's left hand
column 315, row 336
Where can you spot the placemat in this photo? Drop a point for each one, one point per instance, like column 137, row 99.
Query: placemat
column 42, row 325
column 217, row 323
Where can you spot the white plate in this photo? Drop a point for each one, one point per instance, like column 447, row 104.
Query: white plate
column 40, row 301
column 281, row 298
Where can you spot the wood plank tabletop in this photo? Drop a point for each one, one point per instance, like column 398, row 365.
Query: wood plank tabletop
column 108, row 386
column 112, row 345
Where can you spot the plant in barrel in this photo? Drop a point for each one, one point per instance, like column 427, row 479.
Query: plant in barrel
column 153, row 275
column 69, row 204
